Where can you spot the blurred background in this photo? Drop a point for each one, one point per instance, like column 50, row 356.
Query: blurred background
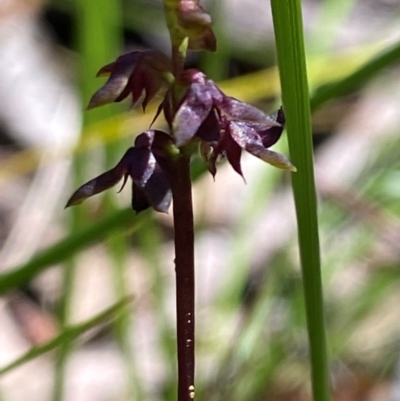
column 64, row 273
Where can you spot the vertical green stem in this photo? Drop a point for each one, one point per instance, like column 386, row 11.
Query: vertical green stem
column 288, row 27
column 184, row 268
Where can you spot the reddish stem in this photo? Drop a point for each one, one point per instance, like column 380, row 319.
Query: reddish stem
column 184, row 268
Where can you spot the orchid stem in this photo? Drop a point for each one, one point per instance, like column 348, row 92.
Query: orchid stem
column 184, row 268
column 181, row 186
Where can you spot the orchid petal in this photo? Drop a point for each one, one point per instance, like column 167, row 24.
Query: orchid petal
column 152, row 84
column 139, row 201
column 209, row 130
column 106, row 70
column 109, row 92
column 157, row 190
column 233, row 153
column 248, row 139
column 193, row 111
column 132, row 73
column 271, row 135
column 95, row 186
column 273, row 158
column 239, row 111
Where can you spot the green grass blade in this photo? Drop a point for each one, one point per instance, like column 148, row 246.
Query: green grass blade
column 288, row 28
column 97, row 39
column 356, row 79
column 122, row 219
column 68, row 334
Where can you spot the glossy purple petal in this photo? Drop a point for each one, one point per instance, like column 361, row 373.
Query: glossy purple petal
column 158, row 141
column 157, row 190
column 248, row 139
column 129, row 88
column 239, row 111
column 209, row 130
column 279, row 116
column 147, row 174
column 139, row 201
column 192, row 112
column 121, row 71
column 233, row 153
column 97, row 185
column 150, row 183
column 243, row 134
column 271, row 135
column 216, row 93
column 134, row 73
column 140, row 164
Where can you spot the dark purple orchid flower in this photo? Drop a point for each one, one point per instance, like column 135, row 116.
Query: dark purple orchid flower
column 224, row 125
column 135, row 73
column 145, row 164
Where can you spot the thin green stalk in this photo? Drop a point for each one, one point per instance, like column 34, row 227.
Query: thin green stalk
column 288, row 26
column 358, row 78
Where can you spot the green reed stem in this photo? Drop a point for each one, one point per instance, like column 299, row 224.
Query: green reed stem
column 288, row 26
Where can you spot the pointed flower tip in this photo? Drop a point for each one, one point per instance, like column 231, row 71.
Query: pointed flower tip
column 244, row 179
column 90, row 106
column 73, row 202
column 97, row 101
column 283, row 164
column 105, row 70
